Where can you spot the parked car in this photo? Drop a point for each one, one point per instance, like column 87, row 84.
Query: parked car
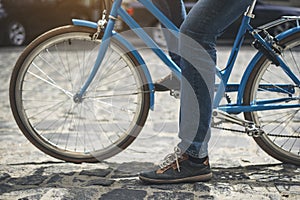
column 264, row 13
column 22, row 21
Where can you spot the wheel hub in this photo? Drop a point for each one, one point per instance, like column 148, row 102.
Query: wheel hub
column 78, row 98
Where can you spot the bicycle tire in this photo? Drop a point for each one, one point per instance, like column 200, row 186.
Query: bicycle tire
column 281, row 137
column 47, row 75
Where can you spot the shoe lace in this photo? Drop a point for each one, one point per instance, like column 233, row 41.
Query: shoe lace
column 171, row 158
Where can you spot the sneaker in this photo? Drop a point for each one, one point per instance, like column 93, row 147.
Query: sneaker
column 169, row 82
column 177, row 168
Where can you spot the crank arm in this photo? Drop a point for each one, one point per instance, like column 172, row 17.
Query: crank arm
column 250, row 128
column 221, row 115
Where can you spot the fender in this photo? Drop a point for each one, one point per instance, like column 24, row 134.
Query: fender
column 131, row 48
column 255, row 59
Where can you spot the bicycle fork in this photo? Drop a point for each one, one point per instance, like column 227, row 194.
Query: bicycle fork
column 78, row 97
column 250, row 128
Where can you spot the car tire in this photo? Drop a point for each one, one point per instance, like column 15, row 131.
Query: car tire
column 16, row 33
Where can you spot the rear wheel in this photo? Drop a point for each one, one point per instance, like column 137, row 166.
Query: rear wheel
column 43, row 88
column 270, row 85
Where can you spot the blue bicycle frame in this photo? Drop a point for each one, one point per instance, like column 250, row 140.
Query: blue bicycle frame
column 224, row 74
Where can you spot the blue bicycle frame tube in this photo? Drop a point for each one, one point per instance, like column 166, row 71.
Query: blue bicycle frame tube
column 251, row 108
column 103, row 47
column 160, row 16
column 225, row 74
column 135, row 27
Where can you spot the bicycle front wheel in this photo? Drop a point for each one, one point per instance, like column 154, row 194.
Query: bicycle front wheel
column 271, row 85
column 45, row 80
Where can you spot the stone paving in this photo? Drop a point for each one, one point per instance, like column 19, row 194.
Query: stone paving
column 241, row 170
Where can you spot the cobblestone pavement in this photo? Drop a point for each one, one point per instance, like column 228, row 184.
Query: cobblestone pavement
column 241, row 170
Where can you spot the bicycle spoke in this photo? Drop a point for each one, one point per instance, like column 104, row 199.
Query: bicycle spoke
column 69, row 94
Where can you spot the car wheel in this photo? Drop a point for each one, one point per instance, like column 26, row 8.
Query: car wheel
column 282, row 27
column 16, row 33
column 158, row 36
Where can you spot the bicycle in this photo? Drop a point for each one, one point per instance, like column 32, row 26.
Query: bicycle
column 79, row 113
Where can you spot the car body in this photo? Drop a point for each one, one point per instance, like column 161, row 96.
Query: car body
column 264, row 13
column 22, row 21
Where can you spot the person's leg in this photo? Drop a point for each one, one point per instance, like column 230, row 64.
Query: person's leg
column 206, row 21
column 175, row 11
column 203, row 24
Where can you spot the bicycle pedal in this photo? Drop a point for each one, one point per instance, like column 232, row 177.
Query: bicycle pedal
column 175, row 94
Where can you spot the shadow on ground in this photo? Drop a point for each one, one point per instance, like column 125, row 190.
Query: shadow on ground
column 112, row 181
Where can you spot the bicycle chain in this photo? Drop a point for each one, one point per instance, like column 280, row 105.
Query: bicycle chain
column 240, row 131
column 284, row 136
column 228, row 129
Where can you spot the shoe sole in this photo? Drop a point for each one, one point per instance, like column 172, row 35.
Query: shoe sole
column 200, row 178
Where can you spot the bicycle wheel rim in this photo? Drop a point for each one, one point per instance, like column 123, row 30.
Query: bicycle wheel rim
column 125, row 122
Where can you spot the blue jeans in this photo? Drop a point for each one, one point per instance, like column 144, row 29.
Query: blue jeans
column 199, row 31
column 175, row 11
